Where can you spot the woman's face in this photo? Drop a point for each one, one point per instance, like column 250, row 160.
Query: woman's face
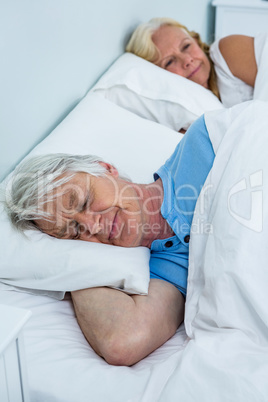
column 180, row 54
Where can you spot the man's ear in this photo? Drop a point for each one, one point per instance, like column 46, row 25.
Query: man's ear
column 110, row 168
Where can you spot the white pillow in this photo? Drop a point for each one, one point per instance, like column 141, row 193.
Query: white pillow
column 154, row 93
column 52, row 266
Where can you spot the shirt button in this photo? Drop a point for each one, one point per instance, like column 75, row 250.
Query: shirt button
column 169, row 243
column 186, row 239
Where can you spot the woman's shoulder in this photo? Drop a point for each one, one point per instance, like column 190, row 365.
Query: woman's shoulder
column 232, row 88
column 233, row 46
column 238, row 52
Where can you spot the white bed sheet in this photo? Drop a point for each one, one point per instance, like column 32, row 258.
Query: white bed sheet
column 62, row 367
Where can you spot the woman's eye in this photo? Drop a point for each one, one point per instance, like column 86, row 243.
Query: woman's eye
column 186, row 46
column 168, row 63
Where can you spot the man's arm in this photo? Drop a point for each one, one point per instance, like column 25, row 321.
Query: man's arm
column 124, row 329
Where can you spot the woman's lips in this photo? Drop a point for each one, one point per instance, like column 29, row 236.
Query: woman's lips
column 193, row 72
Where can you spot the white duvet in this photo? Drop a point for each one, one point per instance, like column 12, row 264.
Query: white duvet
column 226, row 358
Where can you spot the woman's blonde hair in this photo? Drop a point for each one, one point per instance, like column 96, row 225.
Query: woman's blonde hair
column 142, row 45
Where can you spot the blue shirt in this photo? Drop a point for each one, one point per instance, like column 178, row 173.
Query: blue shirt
column 183, row 176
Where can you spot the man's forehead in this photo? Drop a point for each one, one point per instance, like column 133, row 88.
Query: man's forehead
column 67, row 193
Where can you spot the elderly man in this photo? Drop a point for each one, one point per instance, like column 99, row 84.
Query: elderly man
column 84, row 198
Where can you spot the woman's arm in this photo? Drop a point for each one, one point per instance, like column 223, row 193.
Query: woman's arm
column 238, row 52
column 124, row 329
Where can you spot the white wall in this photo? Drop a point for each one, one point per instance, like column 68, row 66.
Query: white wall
column 52, row 52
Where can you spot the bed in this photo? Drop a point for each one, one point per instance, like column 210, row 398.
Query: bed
column 220, row 353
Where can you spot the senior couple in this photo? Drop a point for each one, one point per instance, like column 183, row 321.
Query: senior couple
column 85, row 198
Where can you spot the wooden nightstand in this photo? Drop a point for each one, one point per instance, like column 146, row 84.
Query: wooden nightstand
column 13, row 378
column 247, row 17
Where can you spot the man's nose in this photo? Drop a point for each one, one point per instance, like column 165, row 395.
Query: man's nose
column 89, row 221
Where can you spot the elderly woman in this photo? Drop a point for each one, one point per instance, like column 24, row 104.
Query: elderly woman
column 84, row 198
column 228, row 68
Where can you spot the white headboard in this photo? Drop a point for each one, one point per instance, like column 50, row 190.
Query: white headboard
column 53, row 51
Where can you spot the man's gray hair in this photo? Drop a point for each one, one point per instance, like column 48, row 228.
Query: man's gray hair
column 33, row 182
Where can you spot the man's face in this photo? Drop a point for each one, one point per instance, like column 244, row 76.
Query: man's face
column 97, row 209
